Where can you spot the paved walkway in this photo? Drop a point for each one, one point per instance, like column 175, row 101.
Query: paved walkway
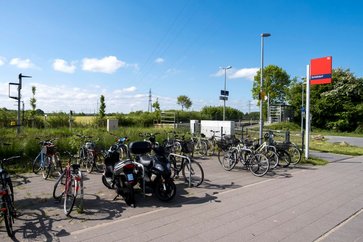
column 304, row 203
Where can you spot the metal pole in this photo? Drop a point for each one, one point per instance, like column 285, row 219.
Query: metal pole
column 224, row 100
column 19, row 96
column 261, row 89
column 307, row 117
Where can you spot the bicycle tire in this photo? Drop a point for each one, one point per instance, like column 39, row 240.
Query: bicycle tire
column 284, row 158
column 201, row 148
column 69, row 197
column 58, row 163
column 194, row 171
column 229, row 159
column 220, row 156
column 259, row 164
column 273, row 158
column 59, row 186
column 99, row 165
column 47, row 167
column 173, row 167
column 36, row 164
column 8, row 215
column 295, row 154
column 89, row 163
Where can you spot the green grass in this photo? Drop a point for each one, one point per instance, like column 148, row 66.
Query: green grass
column 314, row 161
column 335, row 148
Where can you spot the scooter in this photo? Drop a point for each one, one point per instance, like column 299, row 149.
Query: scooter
column 120, row 174
column 156, row 169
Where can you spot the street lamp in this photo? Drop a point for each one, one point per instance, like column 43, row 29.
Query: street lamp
column 263, row 35
column 224, row 95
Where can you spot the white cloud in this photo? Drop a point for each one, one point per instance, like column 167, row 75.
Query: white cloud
column 63, row 66
column 246, row 73
column 125, row 90
column 108, row 64
column 2, row 60
column 159, row 60
column 21, row 63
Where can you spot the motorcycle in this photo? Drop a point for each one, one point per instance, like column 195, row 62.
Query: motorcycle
column 120, row 174
column 156, row 169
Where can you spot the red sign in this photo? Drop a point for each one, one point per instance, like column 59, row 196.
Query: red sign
column 320, row 70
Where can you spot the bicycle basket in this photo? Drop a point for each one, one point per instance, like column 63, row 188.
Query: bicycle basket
column 49, row 149
column 282, row 146
column 187, row 147
column 90, row 145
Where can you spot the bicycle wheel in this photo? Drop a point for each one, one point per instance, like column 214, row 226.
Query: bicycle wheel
column 229, row 160
column 36, row 164
column 59, row 187
column 273, row 158
column 284, row 158
column 194, row 172
column 46, row 169
column 201, row 148
column 57, row 164
column 99, row 164
column 295, row 154
column 8, row 214
column 221, row 155
column 90, row 162
column 174, row 169
column 69, row 196
column 176, row 147
column 82, row 157
column 258, row 164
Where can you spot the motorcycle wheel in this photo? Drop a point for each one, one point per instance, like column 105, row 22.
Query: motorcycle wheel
column 165, row 190
column 104, row 181
column 129, row 195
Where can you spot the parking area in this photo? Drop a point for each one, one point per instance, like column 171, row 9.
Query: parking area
column 42, row 219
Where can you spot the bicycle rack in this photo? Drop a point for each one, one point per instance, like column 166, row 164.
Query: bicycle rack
column 189, row 161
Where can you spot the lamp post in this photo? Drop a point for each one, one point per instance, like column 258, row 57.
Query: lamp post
column 263, row 35
column 225, row 95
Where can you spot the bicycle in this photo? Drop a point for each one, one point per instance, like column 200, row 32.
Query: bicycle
column 88, row 155
column 47, row 161
column 191, row 170
column 212, row 142
column 268, row 149
column 68, row 185
column 173, row 144
column 7, row 197
column 122, row 147
column 200, row 145
column 257, row 163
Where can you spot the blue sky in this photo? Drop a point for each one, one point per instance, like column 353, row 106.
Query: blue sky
column 76, row 51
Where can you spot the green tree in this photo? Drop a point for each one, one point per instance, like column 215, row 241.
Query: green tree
column 33, row 102
column 216, row 113
column 276, row 83
column 337, row 106
column 102, row 112
column 156, row 105
column 184, row 101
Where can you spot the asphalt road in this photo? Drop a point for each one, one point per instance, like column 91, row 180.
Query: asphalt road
column 355, row 141
column 304, row 203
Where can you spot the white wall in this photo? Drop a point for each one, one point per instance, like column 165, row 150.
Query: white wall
column 112, row 124
column 208, row 125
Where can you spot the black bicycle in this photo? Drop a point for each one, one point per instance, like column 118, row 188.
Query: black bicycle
column 7, row 210
column 192, row 171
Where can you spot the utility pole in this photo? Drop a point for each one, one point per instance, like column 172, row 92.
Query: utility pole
column 21, row 76
column 150, row 106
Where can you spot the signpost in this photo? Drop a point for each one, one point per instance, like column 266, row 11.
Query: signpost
column 319, row 72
